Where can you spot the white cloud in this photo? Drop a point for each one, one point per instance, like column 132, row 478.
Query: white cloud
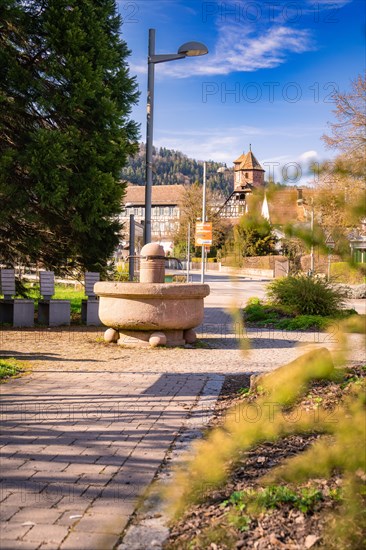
column 308, row 156
column 138, row 68
column 226, row 144
column 331, row 3
column 292, row 170
column 246, row 45
column 241, row 46
column 244, row 49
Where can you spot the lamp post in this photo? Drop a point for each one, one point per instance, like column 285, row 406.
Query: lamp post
column 221, row 170
column 312, row 237
column 203, row 252
column 189, row 49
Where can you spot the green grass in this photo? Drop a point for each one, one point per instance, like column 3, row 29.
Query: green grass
column 243, row 505
column 10, row 367
column 69, row 293
column 274, row 496
column 62, row 292
column 342, row 272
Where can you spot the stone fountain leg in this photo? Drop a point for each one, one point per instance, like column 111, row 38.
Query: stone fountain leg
column 169, row 338
column 151, row 312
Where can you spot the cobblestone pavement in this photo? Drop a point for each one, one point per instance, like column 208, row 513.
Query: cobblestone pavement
column 84, row 434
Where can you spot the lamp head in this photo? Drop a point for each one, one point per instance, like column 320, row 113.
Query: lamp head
column 191, row 49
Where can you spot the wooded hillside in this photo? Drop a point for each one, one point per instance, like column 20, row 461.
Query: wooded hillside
column 172, row 167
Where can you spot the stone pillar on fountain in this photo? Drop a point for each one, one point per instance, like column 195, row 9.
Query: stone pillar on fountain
column 152, row 263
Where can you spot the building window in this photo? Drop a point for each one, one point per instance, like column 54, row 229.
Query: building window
column 246, row 175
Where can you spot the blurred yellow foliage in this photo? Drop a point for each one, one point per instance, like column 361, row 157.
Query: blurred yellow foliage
column 274, row 414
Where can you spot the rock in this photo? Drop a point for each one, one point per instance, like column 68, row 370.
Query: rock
column 157, row 339
column 311, row 540
column 359, row 292
column 300, row 519
column 274, row 541
column 150, row 533
column 111, row 335
column 190, row 336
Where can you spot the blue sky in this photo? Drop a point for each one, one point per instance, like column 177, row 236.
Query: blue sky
column 267, row 80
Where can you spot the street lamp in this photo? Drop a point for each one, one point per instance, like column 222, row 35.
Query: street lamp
column 189, row 49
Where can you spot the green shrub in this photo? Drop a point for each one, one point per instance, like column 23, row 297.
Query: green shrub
column 285, row 317
column 255, row 312
column 253, row 300
column 307, row 295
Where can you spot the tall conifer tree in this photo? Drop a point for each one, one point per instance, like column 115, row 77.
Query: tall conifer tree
column 65, row 132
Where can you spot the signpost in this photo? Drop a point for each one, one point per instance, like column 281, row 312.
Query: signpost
column 203, row 238
column 203, row 228
column 203, row 234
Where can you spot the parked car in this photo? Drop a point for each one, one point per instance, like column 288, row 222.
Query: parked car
column 174, row 271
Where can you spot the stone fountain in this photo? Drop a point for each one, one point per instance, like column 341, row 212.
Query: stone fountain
column 151, row 312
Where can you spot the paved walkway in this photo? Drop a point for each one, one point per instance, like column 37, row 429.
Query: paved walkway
column 84, row 433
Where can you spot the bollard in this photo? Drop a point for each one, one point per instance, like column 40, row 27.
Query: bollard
column 152, row 263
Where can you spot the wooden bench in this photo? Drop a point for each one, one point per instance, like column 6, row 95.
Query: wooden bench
column 53, row 313
column 90, row 306
column 17, row 312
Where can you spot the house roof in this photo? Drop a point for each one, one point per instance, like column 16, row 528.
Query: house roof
column 160, row 194
column 247, row 161
column 282, row 205
column 240, row 159
column 250, row 163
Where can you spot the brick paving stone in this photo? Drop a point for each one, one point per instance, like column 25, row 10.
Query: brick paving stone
column 77, row 469
column 6, row 512
column 13, row 531
column 46, row 465
column 86, row 541
column 14, row 463
column 68, row 518
column 99, row 523
column 38, row 515
column 24, row 495
column 72, row 504
column 116, row 507
column 18, row 545
column 46, row 533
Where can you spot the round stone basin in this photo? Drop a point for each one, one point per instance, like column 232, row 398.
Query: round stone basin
column 151, row 306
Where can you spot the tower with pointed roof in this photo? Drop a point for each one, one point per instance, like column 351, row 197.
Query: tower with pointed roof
column 248, row 173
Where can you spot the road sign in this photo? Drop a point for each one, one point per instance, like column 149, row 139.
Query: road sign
column 203, row 234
